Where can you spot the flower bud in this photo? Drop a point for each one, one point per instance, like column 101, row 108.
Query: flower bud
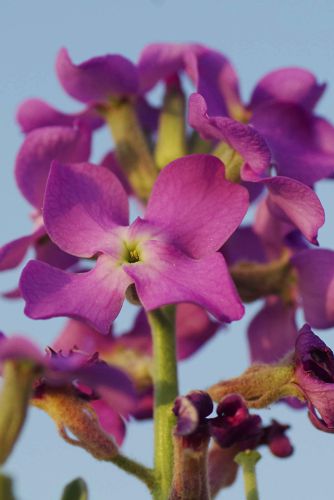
column 72, row 413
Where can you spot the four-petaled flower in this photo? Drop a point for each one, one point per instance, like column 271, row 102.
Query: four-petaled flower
column 171, row 255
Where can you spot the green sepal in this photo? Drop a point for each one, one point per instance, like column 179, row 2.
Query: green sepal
column 18, row 377
column 6, row 488
column 75, row 490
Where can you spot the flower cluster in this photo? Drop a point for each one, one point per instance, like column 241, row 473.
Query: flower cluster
column 193, row 165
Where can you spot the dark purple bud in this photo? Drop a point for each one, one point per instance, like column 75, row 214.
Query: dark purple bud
column 274, row 436
column 234, row 423
column 191, row 411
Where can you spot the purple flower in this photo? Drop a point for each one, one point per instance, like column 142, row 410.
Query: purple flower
column 233, row 425
column 40, row 148
column 288, row 199
column 132, row 351
column 107, row 389
column 193, row 327
column 211, row 73
column 35, row 113
column 315, row 272
column 170, row 255
column 288, row 85
column 272, row 332
column 280, row 112
column 97, row 79
column 68, row 143
column 314, row 375
column 305, row 280
column 300, row 142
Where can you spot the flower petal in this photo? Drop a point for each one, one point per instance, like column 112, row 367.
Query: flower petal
column 242, row 138
column 40, row 148
column 210, row 71
column 302, row 145
column 13, row 253
column 83, row 203
column 20, row 348
column 315, row 270
column 196, row 205
column 272, row 230
column 95, row 296
column 218, row 84
column 110, row 162
column 110, row 420
column 84, row 337
column 299, row 204
column 159, row 61
column 167, row 276
column 97, row 79
column 47, row 251
column 244, row 246
column 110, row 383
column 293, row 85
column 193, row 329
column 272, row 332
column 35, row 113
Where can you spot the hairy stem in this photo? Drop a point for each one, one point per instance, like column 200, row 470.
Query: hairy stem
column 165, row 392
column 134, row 468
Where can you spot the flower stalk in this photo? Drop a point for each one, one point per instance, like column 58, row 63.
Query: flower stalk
column 132, row 149
column 165, row 392
column 136, row 469
column 171, row 142
column 247, row 460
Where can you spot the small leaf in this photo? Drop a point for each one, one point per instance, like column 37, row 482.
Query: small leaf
column 75, row 490
column 6, row 488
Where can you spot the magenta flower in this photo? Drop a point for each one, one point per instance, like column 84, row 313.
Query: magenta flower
column 67, row 143
column 35, row 113
column 315, row 270
column 170, row 255
column 193, row 328
column 288, row 199
column 310, row 285
column 314, row 375
column 288, row 85
column 107, row 389
column 40, row 148
column 132, row 351
column 211, row 73
column 97, row 79
column 272, row 332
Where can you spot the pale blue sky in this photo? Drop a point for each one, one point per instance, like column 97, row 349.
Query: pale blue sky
column 258, row 36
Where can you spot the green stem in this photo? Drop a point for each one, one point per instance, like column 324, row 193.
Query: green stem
column 165, row 392
column 134, row 468
column 247, row 460
column 132, row 149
